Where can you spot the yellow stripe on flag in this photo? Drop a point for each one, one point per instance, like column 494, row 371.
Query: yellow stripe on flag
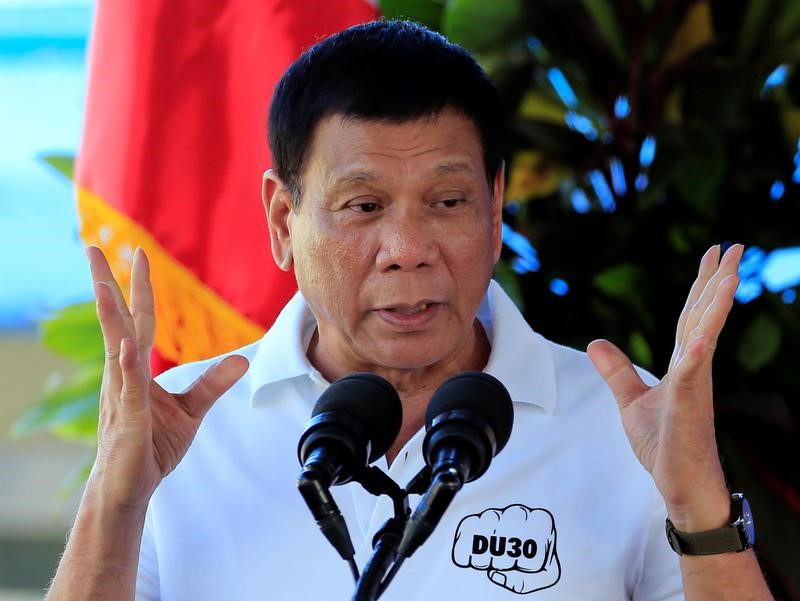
column 193, row 322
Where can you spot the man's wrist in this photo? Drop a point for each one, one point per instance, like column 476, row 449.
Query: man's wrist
column 99, row 501
column 706, row 512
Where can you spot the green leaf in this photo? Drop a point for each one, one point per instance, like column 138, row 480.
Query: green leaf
column 647, row 5
column 63, row 163
column 791, row 52
column 624, row 282
column 427, row 12
column 701, row 170
column 476, row 24
column 679, row 240
column 788, row 22
column 751, row 26
column 695, row 32
column 559, row 143
column 507, row 279
column 641, row 352
column 604, row 17
column 75, row 422
column 760, row 343
column 74, row 332
column 82, row 428
column 68, row 408
column 539, row 106
column 620, row 281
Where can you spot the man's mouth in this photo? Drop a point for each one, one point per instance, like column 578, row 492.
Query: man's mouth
column 410, row 317
column 409, row 310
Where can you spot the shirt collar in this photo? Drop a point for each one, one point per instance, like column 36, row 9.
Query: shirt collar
column 281, row 355
column 520, row 358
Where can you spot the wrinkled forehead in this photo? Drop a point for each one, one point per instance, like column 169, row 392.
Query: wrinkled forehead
column 348, row 149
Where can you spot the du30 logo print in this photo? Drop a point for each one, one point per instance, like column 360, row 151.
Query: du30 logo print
column 515, row 546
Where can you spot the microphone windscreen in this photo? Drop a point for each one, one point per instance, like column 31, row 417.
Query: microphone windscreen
column 370, row 400
column 480, row 394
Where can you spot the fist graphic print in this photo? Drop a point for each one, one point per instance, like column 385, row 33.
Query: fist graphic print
column 515, row 546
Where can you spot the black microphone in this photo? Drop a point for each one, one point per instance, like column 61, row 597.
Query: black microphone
column 353, row 423
column 468, row 422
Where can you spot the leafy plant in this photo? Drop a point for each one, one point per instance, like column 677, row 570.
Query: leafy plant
column 642, row 132
column 68, row 407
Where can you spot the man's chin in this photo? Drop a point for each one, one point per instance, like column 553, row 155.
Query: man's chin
column 410, row 359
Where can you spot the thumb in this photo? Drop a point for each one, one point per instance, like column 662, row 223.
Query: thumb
column 497, row 577
column 618, row 372
column 213, row 383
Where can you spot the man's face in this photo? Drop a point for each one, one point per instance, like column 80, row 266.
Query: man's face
column 394, row 239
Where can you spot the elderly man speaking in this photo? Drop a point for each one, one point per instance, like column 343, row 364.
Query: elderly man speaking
column 385, row 198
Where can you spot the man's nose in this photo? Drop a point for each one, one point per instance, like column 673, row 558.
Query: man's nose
column 407, row 243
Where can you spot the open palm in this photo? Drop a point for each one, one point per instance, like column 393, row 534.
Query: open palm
column 671, row 425
column 143, row 430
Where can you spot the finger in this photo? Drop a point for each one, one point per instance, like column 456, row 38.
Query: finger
column 212, row 384
column 497, row 577
column 708, row 265
column 729, row 265
column 618, row 372
column 133, row 396
column 713, row 320
column 695, row 362
column 114, row 329
column 142, row 305
column 101, row 272
column 686, row 372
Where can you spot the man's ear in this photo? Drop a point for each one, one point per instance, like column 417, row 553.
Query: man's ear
column 278, row 206
column 498, row 190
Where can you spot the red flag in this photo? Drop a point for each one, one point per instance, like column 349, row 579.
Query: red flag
column 173, row 150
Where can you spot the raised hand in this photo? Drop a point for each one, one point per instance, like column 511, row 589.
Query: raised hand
column 143, row 430
column 671, row 425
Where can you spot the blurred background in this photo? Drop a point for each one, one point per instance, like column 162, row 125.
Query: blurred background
column 42, row 268
column 642, row 132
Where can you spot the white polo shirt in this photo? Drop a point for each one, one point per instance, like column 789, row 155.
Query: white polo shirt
column 565, row 511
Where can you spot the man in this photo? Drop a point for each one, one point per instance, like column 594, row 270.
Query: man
column 386, row 200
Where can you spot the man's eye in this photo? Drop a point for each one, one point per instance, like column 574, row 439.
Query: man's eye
column 451, row 203
column 366, row 207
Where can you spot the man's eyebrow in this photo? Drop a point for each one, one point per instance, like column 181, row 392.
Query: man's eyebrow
column 361, row 176
column 445, row 168
column 354, row 177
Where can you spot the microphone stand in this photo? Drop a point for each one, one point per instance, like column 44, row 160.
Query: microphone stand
column 441, row 489
column 387, row 539
column 384, row 545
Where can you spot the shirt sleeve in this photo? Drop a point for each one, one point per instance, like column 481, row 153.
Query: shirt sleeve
column 660, row 578
column 147, row 581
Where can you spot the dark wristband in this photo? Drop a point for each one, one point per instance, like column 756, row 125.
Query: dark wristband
column 739, row 535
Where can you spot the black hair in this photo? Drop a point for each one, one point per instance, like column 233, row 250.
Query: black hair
column 394, row 71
